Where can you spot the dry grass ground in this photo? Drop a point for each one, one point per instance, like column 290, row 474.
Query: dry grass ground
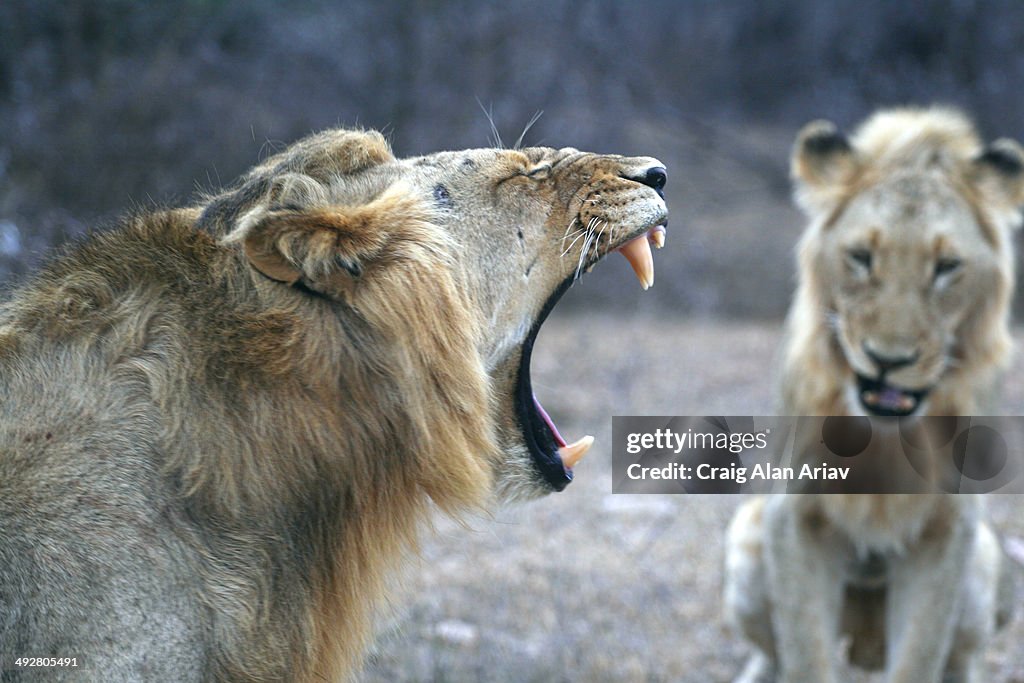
column 588, row 586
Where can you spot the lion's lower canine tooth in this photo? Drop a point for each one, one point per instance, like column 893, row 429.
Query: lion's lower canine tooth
column 572, row 453
column 638, row 252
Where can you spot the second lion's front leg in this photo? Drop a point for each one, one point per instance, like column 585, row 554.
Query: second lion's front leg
column 926, row 599
column 806, row 586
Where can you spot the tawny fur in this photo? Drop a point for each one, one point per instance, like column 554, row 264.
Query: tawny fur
column 902, row 176
column 221, row 428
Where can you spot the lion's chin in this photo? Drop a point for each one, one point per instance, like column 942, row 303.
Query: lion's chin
column 880, row 398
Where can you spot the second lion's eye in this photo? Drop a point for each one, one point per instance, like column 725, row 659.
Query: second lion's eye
column 947, row 266
column 860, row 258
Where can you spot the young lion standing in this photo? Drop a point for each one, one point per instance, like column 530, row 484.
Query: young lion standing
column 906, row 275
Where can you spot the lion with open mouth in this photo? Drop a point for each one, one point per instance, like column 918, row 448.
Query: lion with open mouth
column 222, row 425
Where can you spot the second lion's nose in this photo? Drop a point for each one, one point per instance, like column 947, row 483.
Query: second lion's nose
column 886, row 362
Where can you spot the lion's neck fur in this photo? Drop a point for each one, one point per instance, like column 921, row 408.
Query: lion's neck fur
column 317, row 451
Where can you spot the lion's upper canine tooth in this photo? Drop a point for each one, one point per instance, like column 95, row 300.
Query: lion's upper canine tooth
column 657, row 236
column 638, row 252
column 572, row 453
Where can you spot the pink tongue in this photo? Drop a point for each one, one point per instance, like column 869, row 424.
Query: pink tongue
column 548, row 421
column 890, row 398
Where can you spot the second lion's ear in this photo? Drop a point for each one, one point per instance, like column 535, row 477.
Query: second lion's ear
column 998, row 171
column 325, row 246
column 822, row 164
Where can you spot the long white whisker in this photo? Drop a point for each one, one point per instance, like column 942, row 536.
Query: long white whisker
column 494, row 129
column 604, row 226
column 583, row 255
column 582, row 232
column 529, row 125
column 574, row 222
column 586, row 247
column 577, row 232
column 571, row 223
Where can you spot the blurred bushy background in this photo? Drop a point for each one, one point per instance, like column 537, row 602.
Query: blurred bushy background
column 113, row 104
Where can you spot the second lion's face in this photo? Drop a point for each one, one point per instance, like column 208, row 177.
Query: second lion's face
column 907, row 262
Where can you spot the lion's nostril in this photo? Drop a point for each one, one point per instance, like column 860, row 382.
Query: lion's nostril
column 656, row 177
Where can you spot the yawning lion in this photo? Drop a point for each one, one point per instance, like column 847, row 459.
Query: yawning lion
column 222, row 425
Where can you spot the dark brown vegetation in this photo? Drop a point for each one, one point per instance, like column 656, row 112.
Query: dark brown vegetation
column 105, row 103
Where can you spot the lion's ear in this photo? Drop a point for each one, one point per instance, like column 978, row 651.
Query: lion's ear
column 999, row 172
column 823, row 162
column 324, row 245
column 332, row 153
column 293, row 244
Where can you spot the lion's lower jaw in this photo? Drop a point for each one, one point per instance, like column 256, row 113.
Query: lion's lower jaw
column 518, row 481
column 948, row 397
column 855, row 405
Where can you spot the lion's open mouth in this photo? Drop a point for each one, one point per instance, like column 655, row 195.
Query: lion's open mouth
column 881, row 398
column 553, row 457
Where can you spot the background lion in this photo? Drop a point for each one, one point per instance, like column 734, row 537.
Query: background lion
column 906, row 275
column 222, row 425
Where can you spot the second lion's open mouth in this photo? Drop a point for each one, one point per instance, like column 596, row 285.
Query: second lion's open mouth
column 880, row 398
column 552, row 455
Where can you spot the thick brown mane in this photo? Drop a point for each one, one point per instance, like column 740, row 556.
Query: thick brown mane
column 156, row 311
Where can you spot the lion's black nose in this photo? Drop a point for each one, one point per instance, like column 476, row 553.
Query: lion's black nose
column 886, row 362
column 655, row 177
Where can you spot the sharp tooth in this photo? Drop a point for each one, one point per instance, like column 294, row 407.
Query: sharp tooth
column 638, row 252
column 572, row 453
column 870, row 397
column 657, row 236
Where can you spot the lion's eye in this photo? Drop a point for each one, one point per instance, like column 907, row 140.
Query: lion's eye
column 860, row 258
column 441, row 195
column 947, row 266
column 539, row 172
